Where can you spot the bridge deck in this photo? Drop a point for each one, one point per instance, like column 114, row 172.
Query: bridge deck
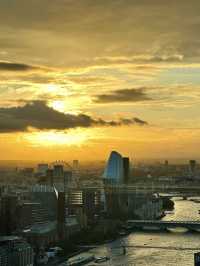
column 138, row 223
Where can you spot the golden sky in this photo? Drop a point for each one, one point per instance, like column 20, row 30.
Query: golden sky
column 81, row 78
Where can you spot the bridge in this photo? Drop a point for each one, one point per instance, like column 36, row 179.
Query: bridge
column 144, row 246
column 186, row 190
column 163, row 225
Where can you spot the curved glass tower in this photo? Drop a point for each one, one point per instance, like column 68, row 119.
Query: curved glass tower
column 113, row 172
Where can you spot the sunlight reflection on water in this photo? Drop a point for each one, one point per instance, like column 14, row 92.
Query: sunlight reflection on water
column 179, row 237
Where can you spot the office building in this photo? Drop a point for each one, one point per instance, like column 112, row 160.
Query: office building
column 49, row 177
column 58, row 171
column 75, row 164
column 117, row 170
column 114, row 171
column 126, row 168
column 32, row 213
column 8, row 210
column 67, row 179
column 192, row 167
column 42, row 169
column 15, row 251
column 61, row 212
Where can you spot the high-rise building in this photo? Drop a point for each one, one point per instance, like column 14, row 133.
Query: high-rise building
column 32, row 213
column 114, row 171
column 91, row 204
column 61, row 214
column 126, row 168
column 58, row 171
column 58, row 177
column 67, row 179
column 75, row 164
column 49, row 177
column 42, row 169
column 75, row 172
column 8, row 209
column 192, row 164
column 117, row 169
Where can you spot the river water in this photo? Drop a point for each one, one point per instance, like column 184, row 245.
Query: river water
column 173, row 244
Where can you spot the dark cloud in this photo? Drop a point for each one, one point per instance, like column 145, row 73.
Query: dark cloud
column 8, row 66
column 123, row 95
column 135, row 120
column 139, row 121
column 38, row 115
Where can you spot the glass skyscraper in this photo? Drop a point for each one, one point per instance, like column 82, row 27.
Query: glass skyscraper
column 114, row 171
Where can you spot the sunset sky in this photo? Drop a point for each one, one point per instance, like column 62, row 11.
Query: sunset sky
column 79, row 78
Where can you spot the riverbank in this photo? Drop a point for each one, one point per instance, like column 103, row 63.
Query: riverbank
column 157, row 247
column 107, row 230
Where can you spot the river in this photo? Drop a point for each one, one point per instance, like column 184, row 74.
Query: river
column 173, row 244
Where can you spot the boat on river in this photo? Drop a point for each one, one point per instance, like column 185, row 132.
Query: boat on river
column 79, row 260
column 196, row 200
column 101, row 259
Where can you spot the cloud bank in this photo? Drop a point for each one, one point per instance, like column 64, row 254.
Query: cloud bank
column 123, row 95
column 40, row 116
column 10, row 66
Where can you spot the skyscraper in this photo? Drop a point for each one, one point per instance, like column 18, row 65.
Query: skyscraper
column 126, row 169
column 114, row 171
column 42, row 168
column 61, row 214
column 75, row 164
column 58, row 171
column 192, row 165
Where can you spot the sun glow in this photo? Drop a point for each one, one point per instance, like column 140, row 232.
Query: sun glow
column 58, row 105
column 54, row 138
column 51, row 88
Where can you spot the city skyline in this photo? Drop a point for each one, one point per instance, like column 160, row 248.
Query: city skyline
column 81, row 78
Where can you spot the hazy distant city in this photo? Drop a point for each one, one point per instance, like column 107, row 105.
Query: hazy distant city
column 65, row 213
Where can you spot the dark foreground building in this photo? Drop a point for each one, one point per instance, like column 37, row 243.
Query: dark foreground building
column 15, row 251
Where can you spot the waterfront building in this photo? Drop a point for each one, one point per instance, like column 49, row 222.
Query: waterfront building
column 85, row 204
column 144, row 206
column 91, row 204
